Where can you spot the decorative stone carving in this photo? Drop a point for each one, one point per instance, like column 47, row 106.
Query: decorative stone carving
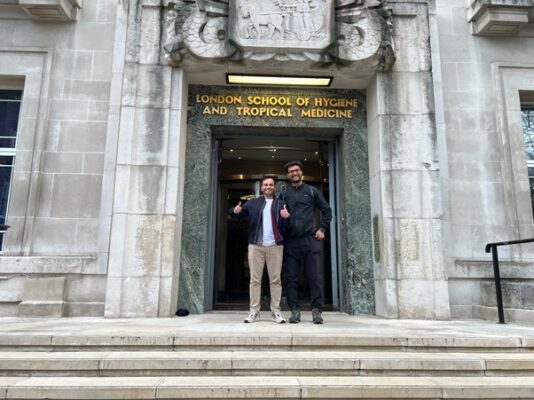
column 281, row 24
column 322, row 31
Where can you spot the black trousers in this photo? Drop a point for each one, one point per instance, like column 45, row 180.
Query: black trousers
column 308, row 250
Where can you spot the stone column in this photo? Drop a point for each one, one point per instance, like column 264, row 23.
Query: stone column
column 144, row 176
column 410, row 275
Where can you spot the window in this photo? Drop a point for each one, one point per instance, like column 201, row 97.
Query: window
column 9, row 116
column 527, row 116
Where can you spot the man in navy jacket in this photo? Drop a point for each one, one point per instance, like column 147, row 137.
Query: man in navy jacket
column 265, row 247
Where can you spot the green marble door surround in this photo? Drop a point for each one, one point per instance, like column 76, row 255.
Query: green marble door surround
column 355, row 261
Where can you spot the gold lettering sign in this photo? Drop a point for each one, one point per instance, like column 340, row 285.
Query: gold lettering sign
column 278, row 106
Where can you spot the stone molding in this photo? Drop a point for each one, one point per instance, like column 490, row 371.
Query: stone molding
column 356, row 33
column 499, row 17
column 48, row 265
column 42, row 10
column 483, row 270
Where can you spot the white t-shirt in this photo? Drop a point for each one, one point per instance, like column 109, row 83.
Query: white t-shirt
column 268, row 234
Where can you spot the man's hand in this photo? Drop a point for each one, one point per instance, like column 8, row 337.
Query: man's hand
column 319, row 234
column 237, row 209
column 284, row 213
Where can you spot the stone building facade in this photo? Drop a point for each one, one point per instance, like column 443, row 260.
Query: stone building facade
column 125, row 119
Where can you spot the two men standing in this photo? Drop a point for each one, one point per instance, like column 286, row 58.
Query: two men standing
column 293, row 215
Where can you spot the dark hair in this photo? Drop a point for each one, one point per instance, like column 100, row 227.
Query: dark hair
column 265, row 177
column 293, row 163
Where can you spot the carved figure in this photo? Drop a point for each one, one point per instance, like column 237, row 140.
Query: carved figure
column 303, row 23
column 171, row 39
column 256, row 18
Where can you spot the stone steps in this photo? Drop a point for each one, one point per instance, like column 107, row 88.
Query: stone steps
column 279, row 341
column 267, row 387
column 244, row 363
column 218, row 357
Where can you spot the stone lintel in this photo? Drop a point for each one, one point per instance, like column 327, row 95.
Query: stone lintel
column 499, row 17
column 52, row 10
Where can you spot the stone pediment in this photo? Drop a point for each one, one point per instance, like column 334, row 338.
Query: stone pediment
column 321, row 32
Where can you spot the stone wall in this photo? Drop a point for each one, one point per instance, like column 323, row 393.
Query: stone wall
column 65, row 70
column 410, row 276
column 487, row 197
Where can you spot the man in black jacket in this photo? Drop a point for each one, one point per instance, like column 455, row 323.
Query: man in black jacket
column 265, row 247
column 303, row 240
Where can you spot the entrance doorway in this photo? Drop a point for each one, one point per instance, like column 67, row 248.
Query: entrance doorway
column 241, row 164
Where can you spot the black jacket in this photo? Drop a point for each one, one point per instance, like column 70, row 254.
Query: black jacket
column 301, row 203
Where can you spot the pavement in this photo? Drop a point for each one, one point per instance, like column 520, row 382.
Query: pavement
column 229, row 323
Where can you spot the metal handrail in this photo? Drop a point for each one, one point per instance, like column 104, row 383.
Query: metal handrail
column 492, row 247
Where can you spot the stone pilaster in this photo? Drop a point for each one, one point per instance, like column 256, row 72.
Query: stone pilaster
column 144, row 176
column 410, row 276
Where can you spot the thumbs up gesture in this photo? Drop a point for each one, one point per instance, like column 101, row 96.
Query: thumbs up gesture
column 237, row 209
column 284, row 213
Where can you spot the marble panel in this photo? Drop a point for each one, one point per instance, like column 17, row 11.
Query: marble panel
column 356, row 257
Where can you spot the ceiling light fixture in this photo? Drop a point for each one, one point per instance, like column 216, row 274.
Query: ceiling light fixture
column 277, row 80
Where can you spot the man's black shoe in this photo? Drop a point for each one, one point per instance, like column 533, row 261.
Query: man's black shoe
column 295, row 316
column 316, row 315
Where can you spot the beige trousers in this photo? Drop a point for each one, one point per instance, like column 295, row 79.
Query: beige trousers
column 258, row 256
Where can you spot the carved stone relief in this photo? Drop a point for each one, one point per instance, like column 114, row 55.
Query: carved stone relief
column 281, row 23
column 329, row 32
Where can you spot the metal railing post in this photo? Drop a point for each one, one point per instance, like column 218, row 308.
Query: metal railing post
column 497, row 275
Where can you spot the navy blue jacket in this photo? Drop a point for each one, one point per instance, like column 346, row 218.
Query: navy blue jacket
column 254, row 210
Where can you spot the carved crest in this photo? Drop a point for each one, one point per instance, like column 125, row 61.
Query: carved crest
column 284, row 24
column 322, row 31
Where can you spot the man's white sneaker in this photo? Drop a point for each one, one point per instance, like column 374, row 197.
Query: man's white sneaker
column 253, row 316
column 278, row 317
